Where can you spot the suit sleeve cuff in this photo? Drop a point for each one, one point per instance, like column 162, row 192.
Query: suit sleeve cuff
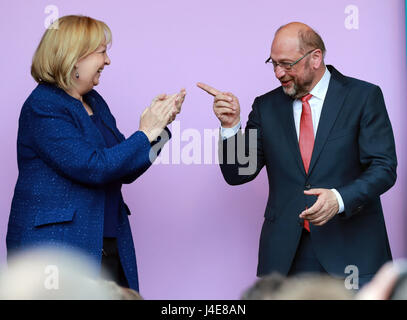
column 340, row 201
column 226, row 133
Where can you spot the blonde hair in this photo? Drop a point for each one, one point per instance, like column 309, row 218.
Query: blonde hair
column 66, row 41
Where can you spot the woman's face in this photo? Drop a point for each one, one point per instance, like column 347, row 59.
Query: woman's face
column 89, row 70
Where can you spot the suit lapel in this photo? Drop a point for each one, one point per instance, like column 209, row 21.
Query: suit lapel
column 287, row 113
column 332, row 105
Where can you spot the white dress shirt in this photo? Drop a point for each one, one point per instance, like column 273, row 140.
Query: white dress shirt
column 316, row 102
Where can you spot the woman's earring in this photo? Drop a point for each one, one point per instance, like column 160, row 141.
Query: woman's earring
column 77, row 75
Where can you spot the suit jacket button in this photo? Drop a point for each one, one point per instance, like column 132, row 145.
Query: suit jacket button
column 308, row 186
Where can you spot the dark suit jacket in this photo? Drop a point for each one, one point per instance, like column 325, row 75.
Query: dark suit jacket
column 63, row 164
column 354, row 152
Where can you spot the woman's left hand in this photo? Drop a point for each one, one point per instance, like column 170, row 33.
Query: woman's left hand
column 177, row 105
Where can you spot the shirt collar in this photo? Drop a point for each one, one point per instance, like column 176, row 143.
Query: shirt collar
column 321, row 88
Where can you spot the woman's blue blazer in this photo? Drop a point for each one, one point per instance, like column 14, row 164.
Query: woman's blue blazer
column 63, row 166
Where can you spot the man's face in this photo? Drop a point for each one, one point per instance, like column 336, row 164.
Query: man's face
column 297, row 81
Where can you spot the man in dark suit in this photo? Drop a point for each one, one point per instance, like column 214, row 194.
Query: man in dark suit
column 328, row 147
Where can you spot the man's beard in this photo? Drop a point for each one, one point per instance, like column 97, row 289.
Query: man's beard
column 300, row 88
column 291, row 92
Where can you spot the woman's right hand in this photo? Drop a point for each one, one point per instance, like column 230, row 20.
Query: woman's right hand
column 156, row 117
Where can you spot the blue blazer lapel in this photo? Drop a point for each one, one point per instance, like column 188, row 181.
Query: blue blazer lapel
column 113, row 129
column 104, row 117
column 332, row 106
column 75, row 106
column 90, row 130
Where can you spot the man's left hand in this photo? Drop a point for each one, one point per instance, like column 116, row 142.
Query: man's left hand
column 324, row 209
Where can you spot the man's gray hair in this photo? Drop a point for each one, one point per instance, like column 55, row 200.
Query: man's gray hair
column 309, row 39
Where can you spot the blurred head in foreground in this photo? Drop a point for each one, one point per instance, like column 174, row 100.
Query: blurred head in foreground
column 51, row 274
column 389, row 283
column 302, row 287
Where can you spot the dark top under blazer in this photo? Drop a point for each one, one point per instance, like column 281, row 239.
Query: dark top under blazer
column 354, row 152
column 113, row 189
column 63, row 167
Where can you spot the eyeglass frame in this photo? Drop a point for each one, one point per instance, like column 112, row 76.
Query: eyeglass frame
column 288, row 66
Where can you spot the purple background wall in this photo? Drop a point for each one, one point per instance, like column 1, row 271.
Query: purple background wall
column 196, row 237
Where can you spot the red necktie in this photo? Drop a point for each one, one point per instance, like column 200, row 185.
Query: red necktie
column 306, row 138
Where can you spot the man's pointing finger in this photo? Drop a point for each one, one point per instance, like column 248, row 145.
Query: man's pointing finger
column 212, row 91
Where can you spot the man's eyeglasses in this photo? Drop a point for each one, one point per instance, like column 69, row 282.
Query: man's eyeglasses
column 287, row 66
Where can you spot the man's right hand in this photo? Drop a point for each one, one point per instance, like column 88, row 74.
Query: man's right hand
column 225, row 106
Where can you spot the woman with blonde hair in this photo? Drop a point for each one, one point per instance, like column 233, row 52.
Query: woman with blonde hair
column 73, row 160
